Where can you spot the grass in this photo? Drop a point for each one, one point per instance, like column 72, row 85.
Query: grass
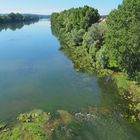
column 130, row 91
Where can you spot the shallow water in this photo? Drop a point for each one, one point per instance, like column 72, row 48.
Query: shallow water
column 34, row 74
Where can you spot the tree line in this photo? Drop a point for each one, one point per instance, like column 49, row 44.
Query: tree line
column 111, row 44
column 16, row 17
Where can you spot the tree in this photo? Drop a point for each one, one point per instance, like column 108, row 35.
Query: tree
column 70, row 25
column 123, row 37
column 102, row 58
column 95, row 36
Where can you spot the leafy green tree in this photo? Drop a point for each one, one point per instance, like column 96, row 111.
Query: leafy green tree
column 70, row 25
column 75, row 37
column 102, row 58
column 123, row 37
column 95, row 36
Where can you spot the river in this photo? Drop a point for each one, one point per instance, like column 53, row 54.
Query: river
column 35, row 74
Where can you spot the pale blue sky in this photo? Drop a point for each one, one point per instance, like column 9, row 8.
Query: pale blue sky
column 49, row 6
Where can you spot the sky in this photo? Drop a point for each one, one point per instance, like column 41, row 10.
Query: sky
column 49, row 6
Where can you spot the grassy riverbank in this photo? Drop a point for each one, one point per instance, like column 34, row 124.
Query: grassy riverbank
column 129, row 91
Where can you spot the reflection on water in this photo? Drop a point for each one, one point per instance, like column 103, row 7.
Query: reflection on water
column 15, row 26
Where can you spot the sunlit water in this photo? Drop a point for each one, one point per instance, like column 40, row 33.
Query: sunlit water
column 34, row 74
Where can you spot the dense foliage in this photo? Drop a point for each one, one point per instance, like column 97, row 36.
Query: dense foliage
column 70, row 25
column 82, row 35
column 113, row 44
column 16, row 17
column 123, row 37
column 94, row 36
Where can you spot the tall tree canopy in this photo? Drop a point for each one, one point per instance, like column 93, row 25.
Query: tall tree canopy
column 70, row 25
column 123, row 37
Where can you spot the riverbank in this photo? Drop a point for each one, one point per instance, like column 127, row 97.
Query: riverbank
column 102, row 48
column 129, row 90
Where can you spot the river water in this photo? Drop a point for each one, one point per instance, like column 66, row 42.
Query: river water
column 35, row 74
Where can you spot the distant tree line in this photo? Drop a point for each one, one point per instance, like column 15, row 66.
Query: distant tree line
column 112, row 44
column 16, row 17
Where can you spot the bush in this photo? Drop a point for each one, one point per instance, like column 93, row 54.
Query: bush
column 95, row 36
column 102, row 58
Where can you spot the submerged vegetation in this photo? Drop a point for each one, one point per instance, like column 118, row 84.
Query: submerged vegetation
column 111, row 46
column 39, row 125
